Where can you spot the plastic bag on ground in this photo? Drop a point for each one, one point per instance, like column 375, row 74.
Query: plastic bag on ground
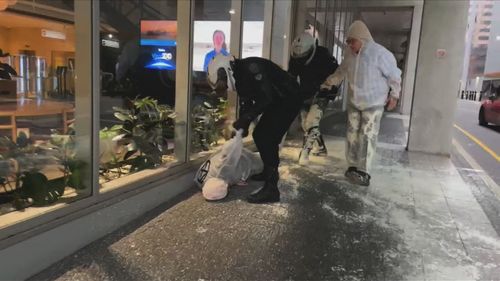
column 215, row 189
column 231, row 164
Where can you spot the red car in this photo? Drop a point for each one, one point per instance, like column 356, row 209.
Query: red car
column 490, row 110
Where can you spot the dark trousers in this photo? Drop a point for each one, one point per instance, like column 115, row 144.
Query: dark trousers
column 271, row 128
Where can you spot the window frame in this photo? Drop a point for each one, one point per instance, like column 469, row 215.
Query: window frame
column 88, row 18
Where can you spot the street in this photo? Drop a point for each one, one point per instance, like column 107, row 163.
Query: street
column 467, row 128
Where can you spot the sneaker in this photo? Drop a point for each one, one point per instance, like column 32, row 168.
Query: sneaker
column 348, row 174
column 320, row 151
column 359, row 178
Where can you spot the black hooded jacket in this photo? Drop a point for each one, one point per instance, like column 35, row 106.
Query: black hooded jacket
column 6, row 71
column 261, row 84
column 313, row 74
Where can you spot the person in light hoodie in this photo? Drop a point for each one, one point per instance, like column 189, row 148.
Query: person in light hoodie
column 374, row 81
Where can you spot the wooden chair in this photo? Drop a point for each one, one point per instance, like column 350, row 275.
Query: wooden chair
column 68, row 118
column 9, row 126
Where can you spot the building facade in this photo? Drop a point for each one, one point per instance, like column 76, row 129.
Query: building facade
column 482, row 40
column 110, row 113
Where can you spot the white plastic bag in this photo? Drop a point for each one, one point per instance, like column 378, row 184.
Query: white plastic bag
column 215, row 189
column 231, row 164
column 223, row 163
column 249, row 164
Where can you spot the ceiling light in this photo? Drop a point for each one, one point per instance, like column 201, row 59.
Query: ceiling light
column 110, row 43
column 110, row 36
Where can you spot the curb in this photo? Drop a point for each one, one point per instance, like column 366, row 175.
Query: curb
column 490, row 183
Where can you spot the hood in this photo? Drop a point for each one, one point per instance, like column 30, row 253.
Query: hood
column 220, row 73
column 358, row 30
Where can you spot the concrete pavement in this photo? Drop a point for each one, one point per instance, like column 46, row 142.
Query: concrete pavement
column 466, row 118
column 418, row 221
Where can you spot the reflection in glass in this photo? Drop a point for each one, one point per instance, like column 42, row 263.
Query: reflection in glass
column 253, row 28
column 138, row 67
column 210, row 125
column 40, row 167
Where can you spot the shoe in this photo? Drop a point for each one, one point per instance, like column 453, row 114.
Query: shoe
column 360, row 178
column 321, row 151
column 269, row 193
column 319, row 148
column 350, row 171
column 304, row 157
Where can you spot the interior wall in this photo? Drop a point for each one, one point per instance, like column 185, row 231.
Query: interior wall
column 4, row 38
column 437, row 79
column 21, row 38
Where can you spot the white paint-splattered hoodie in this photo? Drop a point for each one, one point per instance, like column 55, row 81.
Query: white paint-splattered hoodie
column 371, row 74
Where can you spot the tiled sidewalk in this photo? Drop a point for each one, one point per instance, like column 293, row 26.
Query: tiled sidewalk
column 418, row 221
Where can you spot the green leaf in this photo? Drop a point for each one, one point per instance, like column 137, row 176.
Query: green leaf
column 116, row 128
column 78, row 174
column 122, row 117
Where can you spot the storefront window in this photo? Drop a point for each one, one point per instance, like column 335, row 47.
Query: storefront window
column 253, row 28
column 41, row 167
column 210, row 111
column 340, row 21
column 138, row 74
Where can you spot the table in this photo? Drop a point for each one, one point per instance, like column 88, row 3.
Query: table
column 31, row 108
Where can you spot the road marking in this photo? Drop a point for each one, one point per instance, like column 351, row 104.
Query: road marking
column 471, row 170
column 492, row 185
column 478, row 142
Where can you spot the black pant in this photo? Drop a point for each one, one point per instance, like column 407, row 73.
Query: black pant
column 271, row 128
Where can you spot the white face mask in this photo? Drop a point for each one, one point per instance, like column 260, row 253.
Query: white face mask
column 218, row 62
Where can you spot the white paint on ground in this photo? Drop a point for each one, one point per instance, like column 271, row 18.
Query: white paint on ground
column 201, row 230
column 487, row 180
column 291, row 181
column 391, row 206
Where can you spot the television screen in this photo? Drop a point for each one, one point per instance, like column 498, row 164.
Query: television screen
column 158, row 43
column 203, row 32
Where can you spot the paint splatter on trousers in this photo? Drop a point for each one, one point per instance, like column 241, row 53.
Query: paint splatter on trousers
column 362, row 133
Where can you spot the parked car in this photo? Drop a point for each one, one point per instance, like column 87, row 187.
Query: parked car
column 490, row 110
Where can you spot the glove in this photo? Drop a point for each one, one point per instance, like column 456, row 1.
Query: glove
column 330, row 94
column 234, row 132
column 242, row 124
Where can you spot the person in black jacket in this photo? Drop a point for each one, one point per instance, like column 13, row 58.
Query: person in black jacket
column 263, row 88
column 311, row 65
column 6, row 71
